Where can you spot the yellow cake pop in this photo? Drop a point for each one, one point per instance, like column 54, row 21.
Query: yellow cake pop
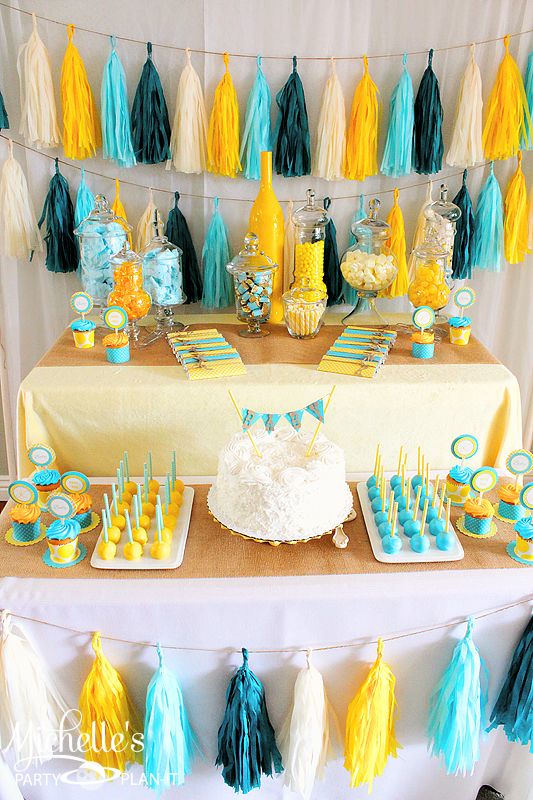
column 176, row 499
column 148, row 509
column 179, row 486
column 127, row 498
column 139, row 535
column 169, row 521
column 166, row 534
column 133, row 551
column 107, row 550
column 118, row 521
column 130, row 487
column 173, row 509
column 160, row 550
column 114, row 534
column 153, row 486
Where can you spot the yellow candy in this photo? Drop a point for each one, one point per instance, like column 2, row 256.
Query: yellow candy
column 309, row 263
column 133, row 551
column 139, row 535
column 107, row 550
column 113, row 533
column 121, row 507
column 119, row 522
column 160, row 550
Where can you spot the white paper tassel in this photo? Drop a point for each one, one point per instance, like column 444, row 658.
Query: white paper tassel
column 38, row 120
column 466, row 148
column 145, row 232
column 288, row 249
column 420, row 230
column 17, row 216
column 30, row 703
column 188, row 142
column 530, row 221
column 331, row 132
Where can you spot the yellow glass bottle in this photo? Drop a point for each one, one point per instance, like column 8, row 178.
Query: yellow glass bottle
column 266, row 221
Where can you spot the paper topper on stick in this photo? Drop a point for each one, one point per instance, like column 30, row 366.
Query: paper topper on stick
column 23, row 492
column 484, row 479
column 61, row 506
column 41, row 455
column 423, row 317
column 81, row 303
column 519, row 462
column 526, row 496
column 465, row 446
column 115, row 317
column 74, row 482
column 464, row 297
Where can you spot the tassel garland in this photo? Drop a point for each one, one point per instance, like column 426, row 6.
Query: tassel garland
column 118, row 209
column 292, row 156
column 223, row 133
column 144, row 232
column 516, row 217
column 150, row 125
column 427, row 134
column 4, row 119
column 350, row 294
column 488, row 226
column 464, row 234
column 81, row 126
column 288, row 248
column 399, row 286
column 362, row 133
column 188, row 142
column 246, row 743
column 218, row 285
column 330, row 150
column 420, row 230
column 466, row 148
column 526, row 142
column 116, row 125
column 256, row 135
column 61, row 246
column 84, row 201
column 457, row 708
column 38, row 112
column 178, row 233
column 397, row 156
column 20, row 234
column 332, row 272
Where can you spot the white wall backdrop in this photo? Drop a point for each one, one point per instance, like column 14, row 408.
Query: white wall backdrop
column 35, row 303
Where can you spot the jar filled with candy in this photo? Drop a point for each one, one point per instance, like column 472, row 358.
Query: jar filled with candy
column 303, row 309
column 309, row 235
column 429, row 287
column 128, row 291
column 252, row 273
column 441, row 219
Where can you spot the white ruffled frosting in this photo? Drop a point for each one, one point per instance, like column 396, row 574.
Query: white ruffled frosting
column 284, row 495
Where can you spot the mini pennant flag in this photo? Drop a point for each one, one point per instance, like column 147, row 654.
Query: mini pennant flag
column 271, row 420
column 295, row 418
column 316, row 409
column 249, row 418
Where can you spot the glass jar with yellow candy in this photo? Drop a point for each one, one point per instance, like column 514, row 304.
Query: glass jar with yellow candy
column 128, row 290
column 429, row 286
column 309, row 235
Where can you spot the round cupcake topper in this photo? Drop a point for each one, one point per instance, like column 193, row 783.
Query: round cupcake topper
column 484, row 479
column 519, row 462
column 22, row 492
column 465, row 446
column 464, row 297
column 61, row 506
column 74, row 482
column 81, row 303
column 41, row 455
column 423, row 317
column 115, row 317
column 526, row 496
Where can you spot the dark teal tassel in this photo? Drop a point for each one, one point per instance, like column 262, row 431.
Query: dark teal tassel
column 150, row 125
column 464, row 234
column 61, row 244
column 178, row 233
column 332, row 272
column 246, row 743
column 427, row 135
column 4, row 119
column 292, row 155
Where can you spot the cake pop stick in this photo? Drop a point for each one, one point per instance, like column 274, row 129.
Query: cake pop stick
column 150, row 466
column 126, row 466
column 167, row 492
column 394, row 519
column 391, row 507
column 136, row 511
column 106, row 502
column 448, row 512
column 417, row 504
column 146, row 487
column 403, row 477
column 400, row 459
column 173, row 468
column 419, row 463
column 139, row 496
column 382, row 488
column 119, row 482
column 408, row 498
column 105, row 526
column 115, row 499
column 424, row 515
column 442, row 501
column 423, row 472
column 435, row 492
column 159, row 519
column 377, row 460
column 132, row 550
column 427, row 480
column 160, row 549
column 128, row 526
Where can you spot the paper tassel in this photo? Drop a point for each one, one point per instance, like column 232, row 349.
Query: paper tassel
column 168, row 739
column 427, row 135
column 118, row 209
column 223, row 133
column 349, row 293
column 396, row 243
column 530, row 220
column 332, row 272
column 464, row 234
column 457, row 708
column 4, row 119
column 466, row 148
column 188, row 143
column 84, row 201
column 514, row 707
column 370, row 736
column 488, row 226
column 526, row 141
column 38, row 113
column 288, row 248
column 116, row 125
column 420, row 230
column 17, row 216
column 257, row 134
column 246, row 743
column 150, row 125
column 107, row 711
column 362, row 133
column 331, row 134
column 30, row 702
column 397, row 156
column 81, row 126
column 508, row 117
column 218, row 285
column 178, row 233
column 61, row 245
column 516, row 217
column 292, row 155
column 144, row 232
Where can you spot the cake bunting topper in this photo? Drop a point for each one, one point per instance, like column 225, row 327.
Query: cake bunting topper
column 294, row 418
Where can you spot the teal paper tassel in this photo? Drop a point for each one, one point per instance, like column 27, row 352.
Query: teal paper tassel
column 292, row 155
column 178, row 233
column 4, row 119
column 332, row 272
column 399, row 145
column 84, row 201
column 168, row 739
column 350, row 294
column 116, row 125
column 256, row 135
column 246, row 743
column 464, row 234
column 457, row 708
column 218, row 285
column 487, row 247
column 149, row 116
column 514, row 706
column 527, row 140
column 61, row 245
column 427, row 134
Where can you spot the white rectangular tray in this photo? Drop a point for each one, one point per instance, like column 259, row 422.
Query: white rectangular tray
column 177, row 548
column 405, row 555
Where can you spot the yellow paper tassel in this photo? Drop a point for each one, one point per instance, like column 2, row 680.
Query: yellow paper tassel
column 397, row 244
column 118, row 209
column 81, row 125
column 507, row 111
column 516, row 223
column 223, row 133
column 370, row 725
column 362, row 133
column 109, row 722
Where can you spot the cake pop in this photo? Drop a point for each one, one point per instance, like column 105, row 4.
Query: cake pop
column 396, row 479
column 118, row 520
column 129, row 485
column 437, row 525
column 433, row 511
column 406, row 513
column 419, row 541
column 138, row 533
column 107, row 549
column 417, row 479
column 153, row 484
column 388, row 527
column 144, row 519
column 445, row 539
column 392, row 542
column 160, row 549
column 412, row 526
column 132, row 550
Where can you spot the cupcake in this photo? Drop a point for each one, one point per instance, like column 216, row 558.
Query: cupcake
column 46, row 481
column 83, row 332
column 523, row 547
column 459, row 330
column 83, row 505
column 117, row 347
column 26, row 522
column 458, row 484
column 62, row 536
column 478, row 516
column 423, row 344
column 509, row 506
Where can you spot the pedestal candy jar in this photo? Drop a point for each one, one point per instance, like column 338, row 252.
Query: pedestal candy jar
column 128, row 291
column 429, row 287
column 303, row 310
column 252, row 273
column 163, row 280
column 309, row 235
column 442, row 215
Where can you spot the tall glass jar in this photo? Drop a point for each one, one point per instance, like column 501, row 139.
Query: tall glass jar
column 429, row 287
column 309, row 235
column 253, row 279
column 441, row 216
column 128, row 291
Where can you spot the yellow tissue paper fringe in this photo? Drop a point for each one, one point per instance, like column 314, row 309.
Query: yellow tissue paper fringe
column 507, row 111
column 223, row 133
column 118, row 209
column 370, row 725
column 516, row 222
column 362, row 133
column 81, row 125
column 107, row 712
column 397, row 244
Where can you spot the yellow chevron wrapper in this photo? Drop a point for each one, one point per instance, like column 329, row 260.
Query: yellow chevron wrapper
column 205, row 354
column 359, row 369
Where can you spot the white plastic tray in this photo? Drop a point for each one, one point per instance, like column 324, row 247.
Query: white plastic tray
column 177, row 549
column 405, row 555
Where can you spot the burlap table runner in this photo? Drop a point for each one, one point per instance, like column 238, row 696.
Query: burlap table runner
column 212, row 552
column 278, row 348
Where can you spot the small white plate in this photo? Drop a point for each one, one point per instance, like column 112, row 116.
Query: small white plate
column 177, row 548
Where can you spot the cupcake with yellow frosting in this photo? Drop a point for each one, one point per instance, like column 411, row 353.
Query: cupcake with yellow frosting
column 478, row 516
column 83, row 505
column 509, row 505
column 117, row 347
column 26, row 522
column 423, row 344
column 62, row 536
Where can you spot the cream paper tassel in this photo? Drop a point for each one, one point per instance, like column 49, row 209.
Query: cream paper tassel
column 17, row 216
column 420, row 230
column 288, row 249
column 331, row 132
column 188, row 142
column 38, row 120
column 530, row 221
column 466, row 148
column 144, row 232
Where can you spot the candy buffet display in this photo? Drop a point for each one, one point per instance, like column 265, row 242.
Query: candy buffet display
column 205, row 354
column 521, row 549
column 309, row 235
column 509, row 507
column 253, row 279
column 64, row 549
column 128, row 292
column 76, row 486
column 477, row 521
column 82, row 329
column 25, row 515
column 117, row 344
column 358, row 351
column 423, row 340
column 303, row 309
column 460, row 326
column 463, row 447
column 45, row 479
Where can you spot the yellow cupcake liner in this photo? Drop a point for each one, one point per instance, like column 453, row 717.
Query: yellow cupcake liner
column 10, row 540
column 83, row 339
column 460, row 524
column 460, row 336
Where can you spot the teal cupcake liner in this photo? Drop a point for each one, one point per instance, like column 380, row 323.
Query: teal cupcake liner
column 479, row 526
column 84, row 519
column 118, row 355
column 419, row 350
column 510, row 511
column 26, row 531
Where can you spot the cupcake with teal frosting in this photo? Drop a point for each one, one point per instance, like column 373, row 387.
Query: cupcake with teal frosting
column 460, row 328
column 46, row 481
column 458, row 484
column 522, row 548
column 83, row 332
column 62, row 536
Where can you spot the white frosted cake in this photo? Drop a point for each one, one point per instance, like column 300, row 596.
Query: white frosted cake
column 283, row 495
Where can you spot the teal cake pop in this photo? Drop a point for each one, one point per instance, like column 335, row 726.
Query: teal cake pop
column 445, row 539
column 374, row 492
column 377, row 503
column 386, row 527
column 379, row 517
column 412, row 526
column 372, row 481
column 392, row 543
column 419, row 541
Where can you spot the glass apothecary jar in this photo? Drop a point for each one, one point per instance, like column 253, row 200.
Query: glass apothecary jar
column 252, row 272
column 128, row 290
column 309, row 235
column 441, row 219
column 429, row 287
column 303, row 309
column 101, row 235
